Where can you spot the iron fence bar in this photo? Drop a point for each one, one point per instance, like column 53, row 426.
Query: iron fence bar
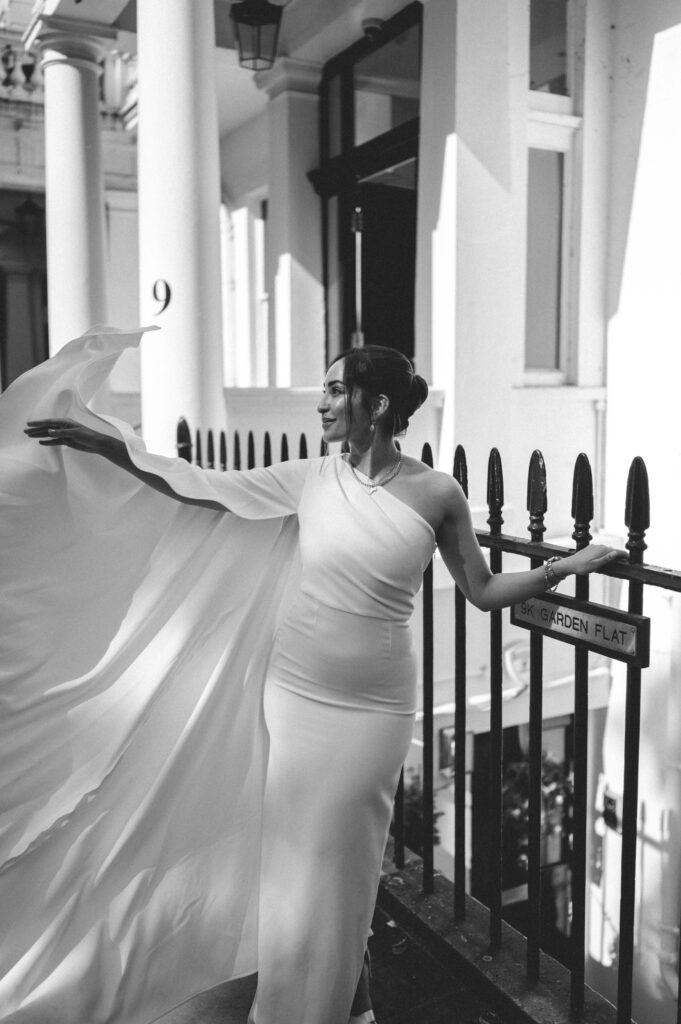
column 678, row 986
column 398, row 824
column 223, row 451
column 460, row 474
column 579, row 818
column 637, row 519
column 428, row 715
column 198, row 458
column 237, row 450
column 210, row 450
column 536, row 506
column 582, row 513
column 183, row 440
column 251, row 450
column 460, row 778
column 535, row 800
column 629, row 836
column 284, row 448
column 650, row 575
column 267, row 450
column 495, row 501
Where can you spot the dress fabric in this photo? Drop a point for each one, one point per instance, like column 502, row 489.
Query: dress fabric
column 203, row 718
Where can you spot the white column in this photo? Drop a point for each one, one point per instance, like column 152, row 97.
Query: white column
column 179, row 213
column 74, row 195
column 294, row 234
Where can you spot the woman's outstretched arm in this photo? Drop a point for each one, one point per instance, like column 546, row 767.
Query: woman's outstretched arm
column 486, row 590
column 75, row 435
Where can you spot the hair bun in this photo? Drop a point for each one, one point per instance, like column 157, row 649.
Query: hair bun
column 418, row 392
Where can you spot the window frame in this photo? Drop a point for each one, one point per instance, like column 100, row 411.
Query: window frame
column 552, row 127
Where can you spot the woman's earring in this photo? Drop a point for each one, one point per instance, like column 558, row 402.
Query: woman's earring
column 372, row 425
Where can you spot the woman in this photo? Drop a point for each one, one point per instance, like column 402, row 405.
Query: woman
column 339, row 702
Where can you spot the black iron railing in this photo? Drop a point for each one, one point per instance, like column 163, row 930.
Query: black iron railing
column 637, row 576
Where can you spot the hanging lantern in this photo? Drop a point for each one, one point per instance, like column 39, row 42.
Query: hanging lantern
column 256, row 28
column 8, row 58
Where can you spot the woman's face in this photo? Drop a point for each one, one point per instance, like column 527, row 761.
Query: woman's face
column 336, row 426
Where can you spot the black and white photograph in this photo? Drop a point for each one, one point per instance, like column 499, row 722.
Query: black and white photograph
column 340, row 642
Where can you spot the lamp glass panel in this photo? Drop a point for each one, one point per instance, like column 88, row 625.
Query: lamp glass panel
column 257, row 45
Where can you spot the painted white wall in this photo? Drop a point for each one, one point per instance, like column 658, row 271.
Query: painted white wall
column 644, row 309
column 436, row 250
column 123, row 266
column 294, row 245
column 244, row 155
column 644, row 364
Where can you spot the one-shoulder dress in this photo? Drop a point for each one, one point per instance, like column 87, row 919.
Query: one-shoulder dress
column 203, row 720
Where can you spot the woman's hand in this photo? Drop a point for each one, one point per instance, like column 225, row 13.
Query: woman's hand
column 588, row 559
column 83, row 439
column 69, row 433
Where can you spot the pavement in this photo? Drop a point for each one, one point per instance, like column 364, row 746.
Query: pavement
column 408, row 987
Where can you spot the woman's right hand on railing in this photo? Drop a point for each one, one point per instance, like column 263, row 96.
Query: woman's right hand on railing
column 68, row 433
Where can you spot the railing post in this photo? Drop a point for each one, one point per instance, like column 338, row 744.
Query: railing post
column 237, row 450
column 495, row 503
column 210, row 451
column 428, row 718
column 284, row 448
column 398, row 824
column 251, row 450
column 199, row 455
column 302, row 447
column 267, row 450
column 637, row 520
column 223, row 451
column 184, row 440
column 582, row 514
column 460, row 473
column 536, row 506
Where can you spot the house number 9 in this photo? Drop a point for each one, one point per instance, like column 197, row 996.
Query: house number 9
column 161, row 292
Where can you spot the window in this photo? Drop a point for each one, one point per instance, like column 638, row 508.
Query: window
column 245, row 301
column 386, row 86
column 549, row 46
column 551, row 238
column 543, row 297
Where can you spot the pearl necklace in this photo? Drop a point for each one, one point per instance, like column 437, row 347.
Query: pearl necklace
column 373, row 483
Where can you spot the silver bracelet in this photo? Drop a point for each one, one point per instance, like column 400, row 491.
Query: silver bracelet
column 551, row 581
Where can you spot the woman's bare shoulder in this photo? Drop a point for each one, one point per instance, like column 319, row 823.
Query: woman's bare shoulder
column 440, row 491
column 437, row 482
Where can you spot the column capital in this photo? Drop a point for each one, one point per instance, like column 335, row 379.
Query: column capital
column 64, row 40
column 290, row 75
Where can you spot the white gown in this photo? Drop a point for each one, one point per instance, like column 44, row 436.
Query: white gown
column 184, row 803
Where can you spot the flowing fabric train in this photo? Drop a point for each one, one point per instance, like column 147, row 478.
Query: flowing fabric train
column 135, row 634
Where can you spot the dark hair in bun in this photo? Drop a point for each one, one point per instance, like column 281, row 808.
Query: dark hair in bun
column 378, row 370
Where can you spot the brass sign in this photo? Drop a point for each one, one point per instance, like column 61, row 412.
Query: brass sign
column 617, row 634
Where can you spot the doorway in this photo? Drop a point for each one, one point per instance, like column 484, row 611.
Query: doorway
column 385, row 258
column 23, row 285
column 367, row 181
